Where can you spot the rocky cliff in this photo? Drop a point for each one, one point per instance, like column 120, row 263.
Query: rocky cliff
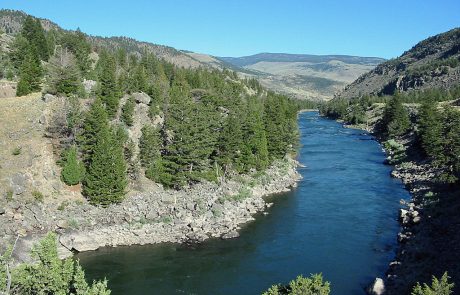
column 432, row 63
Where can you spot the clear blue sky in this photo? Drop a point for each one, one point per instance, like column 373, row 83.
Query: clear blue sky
column 237, row 27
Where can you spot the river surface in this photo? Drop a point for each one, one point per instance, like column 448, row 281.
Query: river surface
column 340, row 221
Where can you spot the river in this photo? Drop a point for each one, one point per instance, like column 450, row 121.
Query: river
column 341, row 221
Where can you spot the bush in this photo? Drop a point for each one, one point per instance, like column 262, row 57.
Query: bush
column 314, row 285
column 38, row 196
column 48, row 274
column 438, row 287
column 73, row 170
column 16, row 151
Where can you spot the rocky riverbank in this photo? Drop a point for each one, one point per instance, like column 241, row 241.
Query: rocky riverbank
column 148, row 215
column 428, row 243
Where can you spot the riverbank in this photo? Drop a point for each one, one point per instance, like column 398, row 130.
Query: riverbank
column 153, row 215
column 428, row 243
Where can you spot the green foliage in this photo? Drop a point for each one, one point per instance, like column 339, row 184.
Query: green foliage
column 32, row 30
column 396, row 150
column 127, row 112
column 150, row 153
column 63, row 74
column 73, row 170
column 76, row 42
column 395, row 120
column 449, row 157
column 430, row 128
column 50, row 275
column 107, row 84
column 280, row 120
column 16, row 151
column 313, row 285
column 105, row 180
column 30, row 73
column 438, row 287
column 38, row 196
column 95, row 121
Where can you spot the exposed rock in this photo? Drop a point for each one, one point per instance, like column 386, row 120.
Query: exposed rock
column 377, row 287
column 89, row 85
column 231, row 235
column 48, row 98
column 141, row 97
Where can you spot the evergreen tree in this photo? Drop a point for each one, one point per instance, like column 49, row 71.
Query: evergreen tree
column 30, row 74
column 73, row 170
column 95, row 121
column 150, row 153
column 449, row 158
column 105, row 180
column 108, row 90
column 127, row 111
column 79, row 46
column 254, row 153
column 230, row 144
column 63, row 74
column 395, row 118
column 430, row 128
column 33, row 31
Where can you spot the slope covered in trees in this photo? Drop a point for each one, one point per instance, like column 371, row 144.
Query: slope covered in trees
column 203, row 124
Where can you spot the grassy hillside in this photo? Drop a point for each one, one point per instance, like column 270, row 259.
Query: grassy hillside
column 302, row 75
column 432, row 63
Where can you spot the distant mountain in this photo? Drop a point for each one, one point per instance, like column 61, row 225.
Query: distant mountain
column 432, row 63
column 298, row 75
column 304, row 75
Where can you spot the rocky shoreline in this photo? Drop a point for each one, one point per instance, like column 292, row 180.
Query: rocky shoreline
column 416, row 256
column 149, row 215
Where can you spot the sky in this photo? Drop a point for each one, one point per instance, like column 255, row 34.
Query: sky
column 237, row 28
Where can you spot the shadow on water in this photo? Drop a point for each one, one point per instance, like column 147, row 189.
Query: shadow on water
column 340, row 220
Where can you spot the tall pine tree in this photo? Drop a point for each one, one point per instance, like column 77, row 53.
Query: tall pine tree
column 105, row 181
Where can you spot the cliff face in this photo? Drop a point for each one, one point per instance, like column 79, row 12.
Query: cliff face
column 432, row 63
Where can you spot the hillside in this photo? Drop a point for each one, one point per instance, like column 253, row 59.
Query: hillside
column 432, row 63
column 11, row 23
column 302, row 75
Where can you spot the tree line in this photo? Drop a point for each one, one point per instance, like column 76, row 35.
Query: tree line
column 214, row 124
column 436, row 125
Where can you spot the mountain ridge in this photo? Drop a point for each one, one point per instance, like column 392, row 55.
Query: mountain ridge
column 431, row 63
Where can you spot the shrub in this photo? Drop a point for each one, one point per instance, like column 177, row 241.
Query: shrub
column 314, row 285
column 38, row 196
column 16, row 151
column 48, row 274
column 438, row 287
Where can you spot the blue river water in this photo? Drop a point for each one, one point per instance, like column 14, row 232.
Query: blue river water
column 341, row 221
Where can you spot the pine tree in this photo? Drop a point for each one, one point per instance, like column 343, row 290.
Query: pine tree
column 95, row 121
column 395, row 118
column 33, row 31
column 63, row 74
column 150, row 153
column 449, row 158
column 108, row 90
column 127, row 111
column 30, row 74
column 79, row 46
column 230, row 144
column 254, row 153
column 105, row 180
column 430, row 128
column 73, row 170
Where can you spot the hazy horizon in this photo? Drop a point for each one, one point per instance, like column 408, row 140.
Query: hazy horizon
column 236, row 29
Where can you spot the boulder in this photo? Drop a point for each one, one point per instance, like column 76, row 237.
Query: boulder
column 377, row 287
column 231, row 235
column 141, row 97
column 48, row 98
column 89, row 85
